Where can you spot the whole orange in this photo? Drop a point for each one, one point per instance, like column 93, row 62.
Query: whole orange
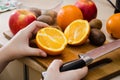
column 67, row 14
column 113, row 25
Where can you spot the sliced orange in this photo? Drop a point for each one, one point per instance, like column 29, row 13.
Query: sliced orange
column 51, row 40
column 77, row 32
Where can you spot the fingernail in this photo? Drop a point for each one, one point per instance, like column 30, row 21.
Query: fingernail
column 44, row 54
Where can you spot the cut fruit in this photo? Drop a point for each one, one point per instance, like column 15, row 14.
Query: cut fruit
column 51, row 40
column 77, row 32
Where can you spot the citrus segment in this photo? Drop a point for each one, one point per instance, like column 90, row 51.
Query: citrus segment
column 51, row 40
column 77, row 32
column 67, row 14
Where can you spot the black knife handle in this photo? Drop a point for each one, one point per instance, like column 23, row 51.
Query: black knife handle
column 75, row 64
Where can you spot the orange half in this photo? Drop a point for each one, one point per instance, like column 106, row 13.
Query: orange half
column 77, row 32
column 51, row 40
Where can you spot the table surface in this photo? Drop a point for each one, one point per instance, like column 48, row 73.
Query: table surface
column 105, row 10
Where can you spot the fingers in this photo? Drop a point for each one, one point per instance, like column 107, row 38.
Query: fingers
column 36, row 52
column 32, row 28
column 53, row 71
column 35, row 25
column 78, row 73
column 82, row 72
column 55, row 66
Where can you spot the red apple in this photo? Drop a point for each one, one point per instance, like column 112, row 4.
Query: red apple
column 88, row 8
column 20, row 19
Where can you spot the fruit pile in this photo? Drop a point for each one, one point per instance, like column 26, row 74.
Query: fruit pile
column 53, row 40
column 76, row 24
column 49, row 16
column 22, row 17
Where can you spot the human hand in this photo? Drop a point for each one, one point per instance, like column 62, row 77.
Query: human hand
column 19, row 47
column 53, row 72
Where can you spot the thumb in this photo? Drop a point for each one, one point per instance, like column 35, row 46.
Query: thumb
column 55, row 65
column 36, row 52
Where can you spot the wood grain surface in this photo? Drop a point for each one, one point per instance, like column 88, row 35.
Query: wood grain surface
column 103, row 68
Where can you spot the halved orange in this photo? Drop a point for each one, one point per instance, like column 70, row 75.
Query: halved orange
column 77, row 32
column 51, row 40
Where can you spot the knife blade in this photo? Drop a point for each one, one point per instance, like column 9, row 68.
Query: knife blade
column 89, row 56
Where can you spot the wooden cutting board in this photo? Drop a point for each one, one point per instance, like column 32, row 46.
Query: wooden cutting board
column 103, row 68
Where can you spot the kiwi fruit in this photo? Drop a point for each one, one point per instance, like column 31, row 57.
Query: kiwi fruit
column 45, row 18
column 35, row 11
column 51, row 13
column 96, row 23
column 97, row 37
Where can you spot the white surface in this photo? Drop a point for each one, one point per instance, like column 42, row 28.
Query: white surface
column 42, row 4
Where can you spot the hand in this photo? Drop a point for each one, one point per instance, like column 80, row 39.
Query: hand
column 19, row 47
column 53, row 72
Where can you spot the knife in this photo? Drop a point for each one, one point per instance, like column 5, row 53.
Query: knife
column 88, row 57
column 91, row 55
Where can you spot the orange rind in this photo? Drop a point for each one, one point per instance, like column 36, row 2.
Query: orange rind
column 51, row 40
column 77, row 32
